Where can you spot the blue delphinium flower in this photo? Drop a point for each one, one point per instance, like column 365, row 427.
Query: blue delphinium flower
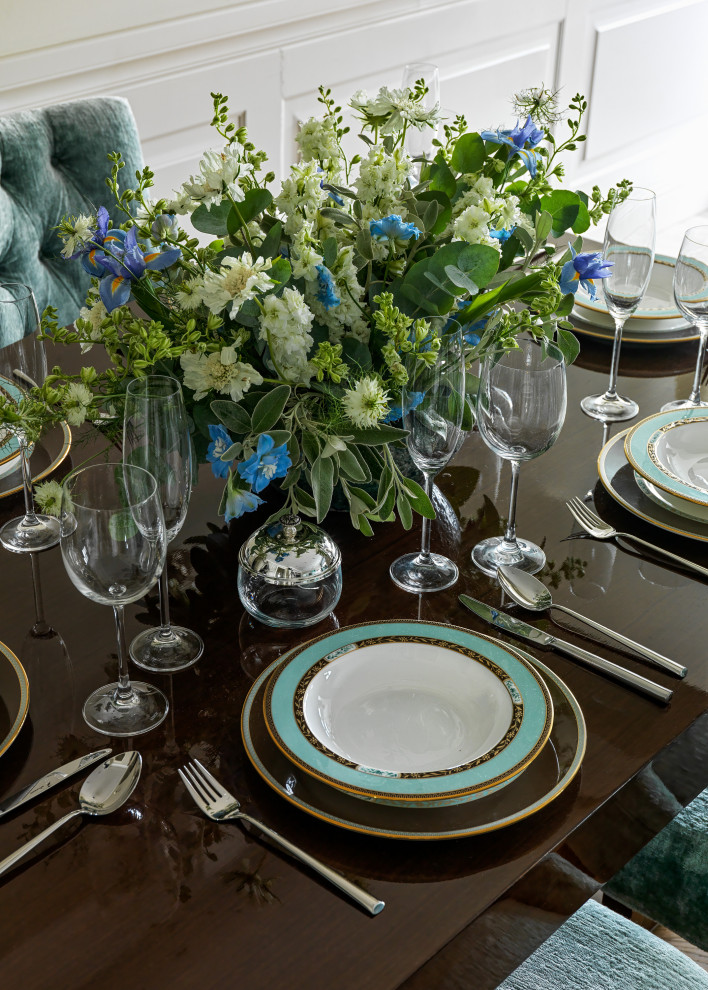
column 267, row 463
column 502, row 235
column 239, row 501
column 332, row 194
column 472, row 333
column 412, row 400
column 392, row 228
column 164, row 225
column 581, row 270
column 517, row 139
column 127, row 263
column 326, row 288
column 220, row 442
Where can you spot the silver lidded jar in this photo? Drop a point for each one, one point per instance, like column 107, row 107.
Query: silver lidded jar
column 289, row 573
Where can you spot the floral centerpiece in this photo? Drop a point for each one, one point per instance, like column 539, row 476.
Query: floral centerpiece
column 291, row 329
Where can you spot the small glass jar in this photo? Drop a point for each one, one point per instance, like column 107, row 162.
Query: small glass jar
column 289, row 574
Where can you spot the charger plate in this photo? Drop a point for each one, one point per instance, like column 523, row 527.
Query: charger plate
column 14, row 697
column 363, row 708
column 682, row 507
column 540, row 784
column 9, row 446
column 670, row 449
column 47, row 455
column 617, row 477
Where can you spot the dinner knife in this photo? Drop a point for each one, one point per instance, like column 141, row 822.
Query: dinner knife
column 534, row 635
column 51, row 779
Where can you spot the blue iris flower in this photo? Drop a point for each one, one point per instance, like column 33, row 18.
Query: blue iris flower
column 104, row 236
column 392, row 228
column 517, row 139
column 220, row 442
column 326, row 288
column 412, row 400
column 267, row 463
column 239, row 501
column 126, row 264
column 581, row 270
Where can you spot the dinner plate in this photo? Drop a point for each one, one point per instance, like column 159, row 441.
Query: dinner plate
column 669, row 449
column 9, row 447
column 538, row 785
column 591, row 326
column 657, row 305
column 483, row 713
column 617, row 477
column 682, row 507
column 14, row 697
column 47, row 455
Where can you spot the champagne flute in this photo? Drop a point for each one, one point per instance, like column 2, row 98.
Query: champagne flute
column 520, row 413
column 419, row 143
column 433, row 402
column 23, row 364
column 691, row 295
column 629, row 245
column 113, row 547
column 156, row 437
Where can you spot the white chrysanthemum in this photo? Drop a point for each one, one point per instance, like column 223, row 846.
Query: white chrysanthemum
column 367, row 403
column 285, row 325
column 318, row 139
column 238, row 280
column 48, row 497
column 219, row 371
column 220, row 174
column 301, row 195
column 189, row 295
column 94, row 315
column 381, row 180
column 82, row 229
column 75, row 403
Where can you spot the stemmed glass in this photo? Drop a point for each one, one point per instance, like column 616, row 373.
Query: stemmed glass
column 156, row 437
column 113, row 547
column 691, row 295
column 629, row 245
column 434, row 430
column 520, row 412
column 23, row 364
column 419, row 143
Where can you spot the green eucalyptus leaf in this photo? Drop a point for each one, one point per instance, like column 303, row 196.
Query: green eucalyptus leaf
column 441, row 178
column 354, row 352
column 544, row 223
column 254, row 202
column 564, row 207
column 568, row 345
column 461, row 280
column 211, row 220
column 444, row 213
column 468, row 155
column 280, row 271
column 270, row 247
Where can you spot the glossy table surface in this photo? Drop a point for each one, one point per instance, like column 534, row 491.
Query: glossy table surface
column 158, row 896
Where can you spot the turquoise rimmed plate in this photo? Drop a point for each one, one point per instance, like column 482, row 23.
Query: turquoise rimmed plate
column 14, row 697
column 408, row 711
column 9, row 446
column 669, row 449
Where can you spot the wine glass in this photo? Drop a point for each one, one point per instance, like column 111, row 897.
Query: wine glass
column 691, row 295
column 23, row 364
column 113, row 547
column 433, row 402
column 419, row 143
column 520, row 412
column 629, row 245
column 156, row 437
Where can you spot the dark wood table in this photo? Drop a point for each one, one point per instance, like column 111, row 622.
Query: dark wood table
column 157, row 896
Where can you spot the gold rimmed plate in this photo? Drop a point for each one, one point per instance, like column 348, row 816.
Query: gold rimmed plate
column 14, row 697
column 537, row 786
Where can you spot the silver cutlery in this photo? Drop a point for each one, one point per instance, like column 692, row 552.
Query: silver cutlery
column 510, row 624
column 217, row 804
column 596, row 527
column 105, row 789
column 527, row 591
column 51, row 779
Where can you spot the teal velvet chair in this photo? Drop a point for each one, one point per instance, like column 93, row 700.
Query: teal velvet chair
column 53, row 162
column 597, row 949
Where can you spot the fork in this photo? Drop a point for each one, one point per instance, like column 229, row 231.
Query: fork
column 217, row 804
column 596, row 527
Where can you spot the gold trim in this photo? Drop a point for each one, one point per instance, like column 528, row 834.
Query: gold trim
column 24, row 698
column 655, row 481
column 610, row 335
column 60, row 457
column 651, row 450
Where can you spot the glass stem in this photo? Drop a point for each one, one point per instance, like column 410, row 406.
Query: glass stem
column 40, row 627
column 695, row 396
column 124, row 691
column 611, row 392
column 165, row 630
column 510, row 535
column 30, row 518
column 424, row 555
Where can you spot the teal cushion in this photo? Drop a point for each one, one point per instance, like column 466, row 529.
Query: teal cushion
column 53, row 162
column 668, row 879
column 597, row 949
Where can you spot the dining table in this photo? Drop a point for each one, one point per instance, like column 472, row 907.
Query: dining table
column 158, row 896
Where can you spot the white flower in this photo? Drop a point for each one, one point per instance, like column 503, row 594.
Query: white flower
column 238, row 280
column 219, row 371
column 402, row 108
column 366, row 403
column 48, row 497
column 381, row 181
column 303, row 256
column 473, row 225
column 285, row 325
column 301, row 195
column 189, row 295
column 94, row 316
column 318, row 139
column 82, row 229
column 76, row 401
column 220, row 174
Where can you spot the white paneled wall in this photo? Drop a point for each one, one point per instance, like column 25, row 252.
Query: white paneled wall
column 640, row 62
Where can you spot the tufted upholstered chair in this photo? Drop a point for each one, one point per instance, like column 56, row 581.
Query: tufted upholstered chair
column 53, row 162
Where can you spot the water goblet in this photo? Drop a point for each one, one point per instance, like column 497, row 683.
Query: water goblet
column 23, row 364
column 520, row 412
column 629, row 245
column 691, row 295
column 113, row 548
column 156, row 437
column 433, row 402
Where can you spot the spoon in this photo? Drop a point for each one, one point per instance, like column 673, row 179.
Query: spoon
column 105, row 789
column 530, row 593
